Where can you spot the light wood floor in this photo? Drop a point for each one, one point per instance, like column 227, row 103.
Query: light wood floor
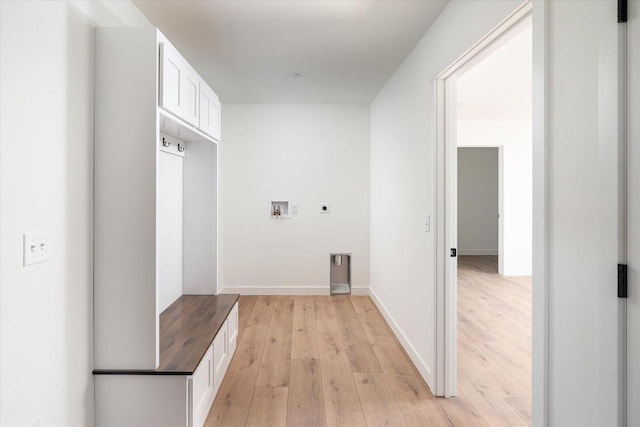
column 333, row 361
column 494, row 341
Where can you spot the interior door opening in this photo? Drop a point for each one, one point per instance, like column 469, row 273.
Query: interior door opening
column 494, row 227
column 487, row 199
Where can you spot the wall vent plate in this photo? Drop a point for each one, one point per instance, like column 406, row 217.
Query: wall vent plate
column 325, row 208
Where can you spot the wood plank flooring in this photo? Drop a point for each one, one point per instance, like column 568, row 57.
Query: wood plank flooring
column 333, row 361
column 494, row 341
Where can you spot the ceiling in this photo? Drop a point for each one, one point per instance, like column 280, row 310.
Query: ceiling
column 499, row 87
column 294, row 51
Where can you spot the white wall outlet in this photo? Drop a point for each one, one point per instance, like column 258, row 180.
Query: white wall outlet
column 294, row 208
column 35, row 248
column 325, row 208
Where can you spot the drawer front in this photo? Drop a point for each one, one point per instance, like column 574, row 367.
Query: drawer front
column 233, row 322
column 220, row 354
column 202, row 389
column 233, row 343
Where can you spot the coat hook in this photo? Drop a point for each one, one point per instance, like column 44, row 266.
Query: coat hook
column 181, row 148
column 165, row 143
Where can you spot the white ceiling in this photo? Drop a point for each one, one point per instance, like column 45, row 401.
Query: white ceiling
column 249, row 51
column 499, row 87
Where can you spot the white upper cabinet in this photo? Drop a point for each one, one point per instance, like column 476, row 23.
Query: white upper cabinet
column 209, row 111
column 172, row 73
column 183, row 93
column 190, row 87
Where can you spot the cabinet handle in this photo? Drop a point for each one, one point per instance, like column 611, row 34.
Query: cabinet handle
column 165, row 143
column 181, row 148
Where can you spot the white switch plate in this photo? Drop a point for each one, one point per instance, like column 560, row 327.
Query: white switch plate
column 325, row 208
column 294, row 208
column 427, row 223
column 35, row 248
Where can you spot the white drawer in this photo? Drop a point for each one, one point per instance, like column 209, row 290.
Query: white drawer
column 233, row 332
column 220, row 356
column 202, row 389
column 233, row 323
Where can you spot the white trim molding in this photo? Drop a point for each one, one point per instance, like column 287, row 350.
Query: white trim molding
column 288, row 290
column 541, row 247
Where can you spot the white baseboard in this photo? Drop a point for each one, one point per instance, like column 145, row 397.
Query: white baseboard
column 477, row 251
column 523, row 272
column 287, row 290
column 423, row 368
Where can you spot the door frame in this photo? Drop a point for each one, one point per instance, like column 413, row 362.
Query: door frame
column 446, row 181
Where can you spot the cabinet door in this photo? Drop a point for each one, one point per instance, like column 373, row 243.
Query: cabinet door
column 232, row 332
column 171, row 75
column 209, row 111
column 189, row 96
column 202, row 391
column 179, row 85
column 220, row 354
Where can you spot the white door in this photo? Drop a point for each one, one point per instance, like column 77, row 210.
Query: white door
column 633, row 214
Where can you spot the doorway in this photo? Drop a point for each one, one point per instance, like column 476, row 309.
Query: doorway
column 493, row 97
column 455, row 127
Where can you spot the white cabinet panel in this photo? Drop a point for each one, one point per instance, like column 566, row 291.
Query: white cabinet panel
column 209, row 111
column 179, row 85
column 202, row 391
column 169, row 229
column 141, row 400
column 189, row 97
column 232, row 332
column 171, row 75
column 220, row 355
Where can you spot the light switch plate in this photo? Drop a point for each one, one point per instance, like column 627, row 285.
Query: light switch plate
column 35, row 248
column 427, row 223
column 294, row 208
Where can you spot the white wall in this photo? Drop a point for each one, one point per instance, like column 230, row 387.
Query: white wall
column 46, row 170
column 514, row 138
column 311, row 154
column 478, row 201
column 403, row 174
